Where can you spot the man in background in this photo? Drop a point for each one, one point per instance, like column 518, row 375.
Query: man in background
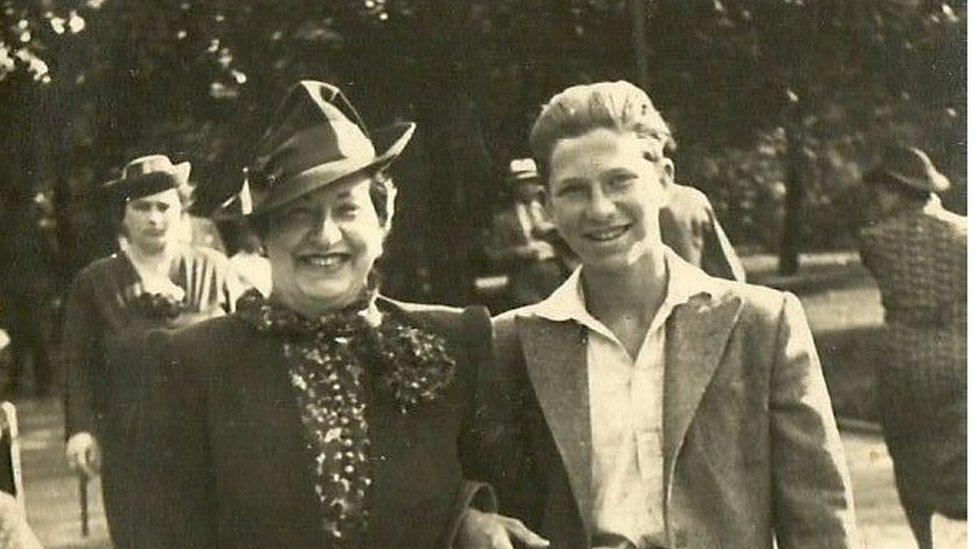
column 520, row 243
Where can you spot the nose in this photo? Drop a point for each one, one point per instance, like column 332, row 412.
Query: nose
column 155, row 216
column 600, row 205
column 326, row 231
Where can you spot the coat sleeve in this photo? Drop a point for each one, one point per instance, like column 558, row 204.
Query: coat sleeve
column 81, row 340
column 476, row 339
column 813, row 505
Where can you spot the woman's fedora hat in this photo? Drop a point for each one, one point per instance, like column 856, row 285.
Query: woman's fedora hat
column 316, row 138
column 148, row 175
column 910, row 167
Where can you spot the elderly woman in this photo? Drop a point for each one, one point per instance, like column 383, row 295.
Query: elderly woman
column 916, row 251
column 154, row 281
column 325, row 415
column 645, row 403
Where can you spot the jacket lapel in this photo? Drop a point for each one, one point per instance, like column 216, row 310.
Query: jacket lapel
column 555, row 359
column 697, row 334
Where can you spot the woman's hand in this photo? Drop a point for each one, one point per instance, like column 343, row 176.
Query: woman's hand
column 480, row 530
column 83, row 454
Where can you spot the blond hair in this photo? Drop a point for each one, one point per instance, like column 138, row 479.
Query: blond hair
column 580, row 109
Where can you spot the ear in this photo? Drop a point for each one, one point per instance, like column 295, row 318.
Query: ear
column 667, row 173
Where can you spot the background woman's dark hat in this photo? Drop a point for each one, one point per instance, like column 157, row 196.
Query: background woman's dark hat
column 910, row 167
column 148, row 175
column 315, row 138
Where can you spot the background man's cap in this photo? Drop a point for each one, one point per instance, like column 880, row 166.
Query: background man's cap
column 315, row 138
column 521, row 169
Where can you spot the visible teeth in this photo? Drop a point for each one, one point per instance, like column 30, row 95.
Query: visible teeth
column 323, row 260
column 609, row 234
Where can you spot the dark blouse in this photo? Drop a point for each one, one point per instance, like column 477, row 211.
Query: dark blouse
column 233, row 465
column 103, row 304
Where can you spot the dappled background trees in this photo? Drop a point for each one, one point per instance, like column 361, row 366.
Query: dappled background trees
column 777, row 105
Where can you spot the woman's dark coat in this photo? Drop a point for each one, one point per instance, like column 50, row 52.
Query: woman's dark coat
column 226, row 457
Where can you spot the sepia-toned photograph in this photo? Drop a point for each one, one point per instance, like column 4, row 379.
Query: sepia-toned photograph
column 483, row 274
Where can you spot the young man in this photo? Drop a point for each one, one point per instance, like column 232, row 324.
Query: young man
column 647, row 404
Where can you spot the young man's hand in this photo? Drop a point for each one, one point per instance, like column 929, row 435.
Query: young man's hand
column 480, row 530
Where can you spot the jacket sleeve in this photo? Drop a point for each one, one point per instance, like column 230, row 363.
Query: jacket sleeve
column 812, row 501
column 476, row 339
column 81, row 341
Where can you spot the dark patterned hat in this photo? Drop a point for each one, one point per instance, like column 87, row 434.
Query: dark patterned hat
column 316, row 138
column 148, row 175
column 910, row 167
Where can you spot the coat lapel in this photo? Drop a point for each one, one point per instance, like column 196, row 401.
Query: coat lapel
column 555, row 359
column 698, row 332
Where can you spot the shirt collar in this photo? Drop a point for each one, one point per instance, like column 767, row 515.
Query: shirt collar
column 568, row 301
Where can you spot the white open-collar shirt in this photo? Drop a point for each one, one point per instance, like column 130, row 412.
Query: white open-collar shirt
column 626, row 415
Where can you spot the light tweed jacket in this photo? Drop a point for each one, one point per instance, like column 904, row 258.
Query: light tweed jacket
column 751, row 449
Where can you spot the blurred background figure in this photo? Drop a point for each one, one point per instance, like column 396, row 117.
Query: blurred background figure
column 521, row 240
column 916, row 250
column 249, row 266
column 690, row 228
column 27, row 288
column 156, row 281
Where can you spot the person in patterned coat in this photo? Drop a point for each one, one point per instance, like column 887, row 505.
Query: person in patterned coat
column 916, row 250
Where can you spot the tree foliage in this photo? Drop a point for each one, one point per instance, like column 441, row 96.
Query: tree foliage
column 87, row 84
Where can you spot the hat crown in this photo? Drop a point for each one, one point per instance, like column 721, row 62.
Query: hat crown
column 912, row 167
column 148, row 164
column 907, row 161
column 523, row 168
column 314, row 125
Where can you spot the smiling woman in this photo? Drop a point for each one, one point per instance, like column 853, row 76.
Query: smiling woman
column 325, row 415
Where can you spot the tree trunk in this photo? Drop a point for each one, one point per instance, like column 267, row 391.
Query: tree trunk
column 789, row 262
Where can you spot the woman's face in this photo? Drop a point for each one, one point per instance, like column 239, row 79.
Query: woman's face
column 605, row 196
column 150, row 222
column 322, row 247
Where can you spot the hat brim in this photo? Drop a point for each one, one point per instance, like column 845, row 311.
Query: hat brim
column 138, row 186
column 525, row 176
column 934, row 182
column 392, row 140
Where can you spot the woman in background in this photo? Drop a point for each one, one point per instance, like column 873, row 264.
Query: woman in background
column 916, row 250
column 153, row 281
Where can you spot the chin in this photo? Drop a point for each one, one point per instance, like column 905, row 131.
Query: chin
column 333, row 295
column 619, row 261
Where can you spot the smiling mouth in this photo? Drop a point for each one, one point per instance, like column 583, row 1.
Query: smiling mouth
column 323, row 261
column 607, row 235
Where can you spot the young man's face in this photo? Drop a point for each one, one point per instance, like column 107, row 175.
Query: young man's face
column 606, row 189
